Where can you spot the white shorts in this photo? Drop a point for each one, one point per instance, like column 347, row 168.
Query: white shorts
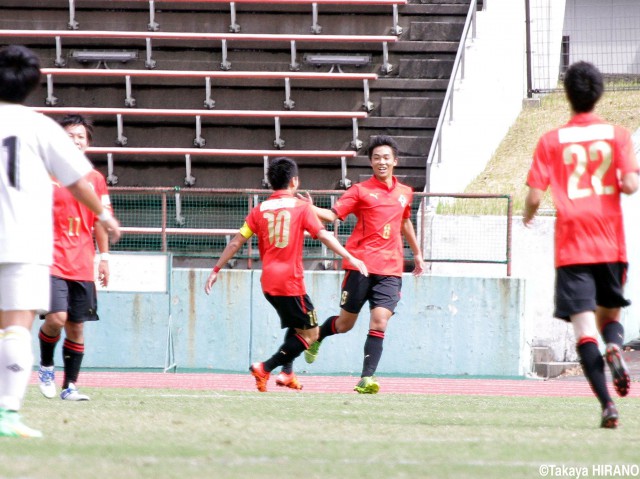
column 24, row 287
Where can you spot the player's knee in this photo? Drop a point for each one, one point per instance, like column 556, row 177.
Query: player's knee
column 344, row 329
column 344, row 325
column 54, row 323
column 74, row 331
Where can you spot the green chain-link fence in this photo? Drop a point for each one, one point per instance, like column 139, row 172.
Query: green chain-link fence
column 200, row 222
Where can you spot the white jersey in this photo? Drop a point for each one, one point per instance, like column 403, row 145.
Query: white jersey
column 33, row 148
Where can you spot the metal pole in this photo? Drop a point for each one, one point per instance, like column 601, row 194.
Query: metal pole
column 164, row 222
column 527, row 14
column 249, row 243
column 509, row 232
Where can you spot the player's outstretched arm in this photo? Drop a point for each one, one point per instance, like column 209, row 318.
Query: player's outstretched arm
column 82, row 191
column 232, row 248
column 325, row 215
column 334, row 245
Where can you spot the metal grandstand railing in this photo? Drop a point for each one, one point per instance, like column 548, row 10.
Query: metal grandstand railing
column 224, row 38
column 447, row 105
column 199, row 141
column 190, row 180
column 234, row 27
column 129, row 100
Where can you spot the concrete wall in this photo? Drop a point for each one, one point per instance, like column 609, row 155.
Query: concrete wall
column 490, row 95
column 533, row 262
column 443, row 326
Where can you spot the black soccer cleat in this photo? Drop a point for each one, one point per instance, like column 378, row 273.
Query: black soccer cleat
column 619, row 371
column 609, row 417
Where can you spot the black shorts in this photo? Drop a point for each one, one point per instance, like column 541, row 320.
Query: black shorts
column 582, row 287
column 78, row 298
column 294, row 311
column 380, row 291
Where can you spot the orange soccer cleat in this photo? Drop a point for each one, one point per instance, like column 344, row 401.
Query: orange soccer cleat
column 288, row 380
column 258, row 372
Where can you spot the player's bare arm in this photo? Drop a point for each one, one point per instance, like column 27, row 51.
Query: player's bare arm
column 325, row 215
column 102, row 240
column 629, row 183
column 409, row 234
column 229, row 252
column 334, row 245
column 531, row 205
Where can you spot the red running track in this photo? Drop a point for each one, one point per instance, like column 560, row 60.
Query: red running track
column 342, row 384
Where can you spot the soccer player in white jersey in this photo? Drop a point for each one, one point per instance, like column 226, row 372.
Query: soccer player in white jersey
column 32, row 149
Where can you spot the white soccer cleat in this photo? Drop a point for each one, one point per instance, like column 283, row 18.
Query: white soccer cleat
column 47, row 385
column 72, row 394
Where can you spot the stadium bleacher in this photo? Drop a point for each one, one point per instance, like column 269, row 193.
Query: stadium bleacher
column 409, row 47
column 221, row 76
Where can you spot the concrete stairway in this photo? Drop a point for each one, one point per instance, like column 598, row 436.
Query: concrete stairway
column 545, row 367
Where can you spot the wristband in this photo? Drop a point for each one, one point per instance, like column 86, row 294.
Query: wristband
column 216, row 269
column 104, row 256
column 105, row 215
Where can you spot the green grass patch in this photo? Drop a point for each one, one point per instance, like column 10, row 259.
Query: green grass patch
column 506, row 172
column 474, row 206
column 147, row 433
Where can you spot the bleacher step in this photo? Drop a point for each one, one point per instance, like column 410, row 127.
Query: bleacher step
column 435, row 9
column 436, row 31
column 410, row 106
column 430, row 68
column 398, row 123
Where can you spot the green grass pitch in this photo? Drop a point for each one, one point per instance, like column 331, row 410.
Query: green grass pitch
column 159, row 433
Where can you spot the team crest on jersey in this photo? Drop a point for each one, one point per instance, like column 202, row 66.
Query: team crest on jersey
column 403, row 200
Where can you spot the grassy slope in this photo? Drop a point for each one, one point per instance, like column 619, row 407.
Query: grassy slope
column 507, row 170
column 163, row 434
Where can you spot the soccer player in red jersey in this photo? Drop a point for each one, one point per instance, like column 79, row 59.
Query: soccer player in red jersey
column 588, row 163
column 73, row 290
column 280, row 223
column 382, row 206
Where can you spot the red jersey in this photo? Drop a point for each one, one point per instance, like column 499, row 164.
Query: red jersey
column 280, row 223
column 73, row 244
column 377, row 236
column 582, row 162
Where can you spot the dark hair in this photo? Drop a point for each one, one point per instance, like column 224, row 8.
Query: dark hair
column 382, row 140
column 280, row 172
column 584, row 86
column 19, row 73
column 70, row 120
